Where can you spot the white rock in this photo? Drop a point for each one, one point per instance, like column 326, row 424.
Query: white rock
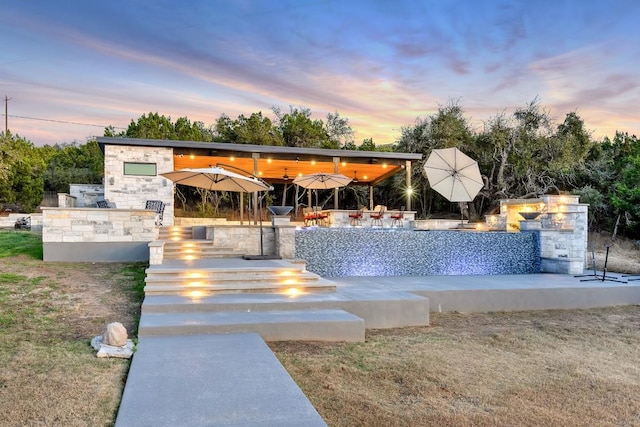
column 104, row 350
column 115, row 335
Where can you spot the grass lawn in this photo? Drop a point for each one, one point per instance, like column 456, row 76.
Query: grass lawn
column 552, row 368
column 49, row 375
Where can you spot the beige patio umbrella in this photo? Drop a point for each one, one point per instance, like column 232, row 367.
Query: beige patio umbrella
column 217, row 179
column 453, row 174
column 322, row 181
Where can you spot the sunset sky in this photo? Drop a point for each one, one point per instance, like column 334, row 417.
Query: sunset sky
column 70, row 64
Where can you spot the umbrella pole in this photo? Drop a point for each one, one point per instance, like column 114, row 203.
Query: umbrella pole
column 261, row 243
column 262, row 256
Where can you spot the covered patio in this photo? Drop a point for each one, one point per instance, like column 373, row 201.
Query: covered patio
column 281, row 165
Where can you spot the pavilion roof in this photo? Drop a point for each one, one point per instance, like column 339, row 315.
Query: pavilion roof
column 278, row 164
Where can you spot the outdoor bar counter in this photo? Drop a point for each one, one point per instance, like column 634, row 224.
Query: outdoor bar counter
column 333, row 252
column 340, row 218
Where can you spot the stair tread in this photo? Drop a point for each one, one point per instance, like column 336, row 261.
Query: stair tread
column 218, row 270
column 238, row 277
column 251, row 287
column 246, row 317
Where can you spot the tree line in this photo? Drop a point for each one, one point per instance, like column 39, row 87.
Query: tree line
column 521, row 154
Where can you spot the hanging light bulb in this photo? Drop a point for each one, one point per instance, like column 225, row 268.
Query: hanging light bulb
column 285, row 176
column 355, row 176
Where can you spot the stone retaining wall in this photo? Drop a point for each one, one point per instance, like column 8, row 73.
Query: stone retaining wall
column 92, row 234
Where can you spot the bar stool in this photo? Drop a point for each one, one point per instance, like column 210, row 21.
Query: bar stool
column 355, row 218
column 377, row 216
column 310, row 217
column 396, row 218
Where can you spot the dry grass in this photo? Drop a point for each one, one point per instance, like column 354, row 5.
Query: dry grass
column 49, row 375
column 552, row 368
column 624, row 254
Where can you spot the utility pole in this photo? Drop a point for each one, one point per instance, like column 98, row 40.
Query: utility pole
column 6, row 114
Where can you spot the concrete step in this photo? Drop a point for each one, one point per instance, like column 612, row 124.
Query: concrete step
column 290, row 278
column 175, row 233
column 203, row 271
column 205, row 281
column 204, row 289
column 196, row 249
column 291, row 274
column 202, row 253
column 285, row 325
column 389, row 309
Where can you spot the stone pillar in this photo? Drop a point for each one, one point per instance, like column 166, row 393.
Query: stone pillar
column 285, row 242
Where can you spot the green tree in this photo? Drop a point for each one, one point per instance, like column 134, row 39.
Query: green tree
column 523, row 156
column 72, row 164
column 367, row 145
column 155, row 126
column 184, row 130
column 299, row 130
column 255, row 129
column 23, row 183
column 624, row 193
column 339, row 131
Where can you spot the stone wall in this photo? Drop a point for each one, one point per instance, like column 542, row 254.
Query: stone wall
column 562, row 224
column 86, row 195
column 563, row 249
column 66, row 200
column 92, row 234
column 243, row 238
column 190, row 222
column 131, row 191
column 10, row 220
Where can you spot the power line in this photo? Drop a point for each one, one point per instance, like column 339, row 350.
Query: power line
column 60, row 121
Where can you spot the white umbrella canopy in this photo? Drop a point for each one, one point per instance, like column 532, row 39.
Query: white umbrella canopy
column 322, row 181
column 453, row 174
column 217, row 179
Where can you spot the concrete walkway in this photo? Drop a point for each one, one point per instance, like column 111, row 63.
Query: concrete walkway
column 211, row 380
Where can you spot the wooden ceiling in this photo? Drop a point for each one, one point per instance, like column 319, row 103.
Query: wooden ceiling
column 277, row 170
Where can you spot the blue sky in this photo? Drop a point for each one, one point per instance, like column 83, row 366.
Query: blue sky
column 381, row 64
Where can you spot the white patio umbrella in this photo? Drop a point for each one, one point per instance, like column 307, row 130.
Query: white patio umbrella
column 322, row 181
column 453, row 174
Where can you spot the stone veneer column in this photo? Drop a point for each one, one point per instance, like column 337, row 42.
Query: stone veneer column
column 565, row 250
column 132, row 192
column 285, row 241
